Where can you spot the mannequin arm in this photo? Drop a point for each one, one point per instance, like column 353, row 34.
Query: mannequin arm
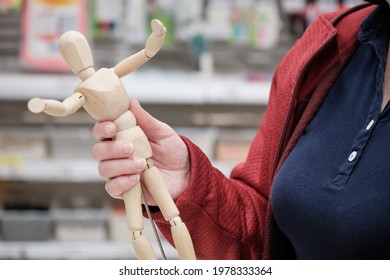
column 55, row 107
column 152, row 46
column 130, row 64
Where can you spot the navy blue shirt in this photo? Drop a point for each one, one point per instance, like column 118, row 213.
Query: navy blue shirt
column 331, row 197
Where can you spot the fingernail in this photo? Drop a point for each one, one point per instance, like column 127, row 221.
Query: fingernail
column 127, row 148
column 140, row 163
column 108, row 132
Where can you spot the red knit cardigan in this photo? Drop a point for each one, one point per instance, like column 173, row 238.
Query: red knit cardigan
column 231, row 218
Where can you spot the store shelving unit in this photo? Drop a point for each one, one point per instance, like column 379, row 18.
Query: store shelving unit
column 48, row 250
column 146, row 86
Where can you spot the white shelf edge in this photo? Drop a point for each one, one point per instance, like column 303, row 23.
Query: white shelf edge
column 67, row 170
column 147, row 87
column 75, row 250
column 59, row 170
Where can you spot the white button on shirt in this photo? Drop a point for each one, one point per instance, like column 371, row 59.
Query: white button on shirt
column 370, row 124
column 352, row 156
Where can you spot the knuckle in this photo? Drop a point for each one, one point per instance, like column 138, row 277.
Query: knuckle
column 102, row 169
column 112, row 149
column 117, row 186
column 123, row 184
column 109, row 189
column 95, row 152
column 103, row 131
column 96, row 131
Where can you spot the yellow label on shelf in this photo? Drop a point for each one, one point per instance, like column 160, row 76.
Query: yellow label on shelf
column 59, row 2
column 10, row 161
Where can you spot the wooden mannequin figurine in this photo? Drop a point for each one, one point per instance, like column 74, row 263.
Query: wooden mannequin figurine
column 104, row 97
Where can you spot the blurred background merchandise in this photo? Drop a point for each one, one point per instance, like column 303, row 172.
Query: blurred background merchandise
column 210, row 82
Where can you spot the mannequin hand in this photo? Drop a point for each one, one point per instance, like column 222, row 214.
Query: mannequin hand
column 36, row 105
column 122, row 170
column 156, row 39
column 158, row 27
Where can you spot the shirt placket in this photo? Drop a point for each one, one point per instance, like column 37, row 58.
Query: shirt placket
column 363, row 136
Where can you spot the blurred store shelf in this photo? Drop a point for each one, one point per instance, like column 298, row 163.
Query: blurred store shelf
column 147, row 87
column 74, row 250
column 51, row 170
column 58, row 170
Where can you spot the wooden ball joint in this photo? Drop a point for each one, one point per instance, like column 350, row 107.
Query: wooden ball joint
column 104, row 97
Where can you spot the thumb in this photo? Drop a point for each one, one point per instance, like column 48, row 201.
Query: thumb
column 153, row 128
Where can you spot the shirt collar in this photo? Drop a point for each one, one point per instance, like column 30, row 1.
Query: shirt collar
column 376, row 24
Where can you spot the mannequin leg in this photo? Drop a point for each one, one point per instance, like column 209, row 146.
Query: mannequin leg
column 181, row 237
column 135, row 222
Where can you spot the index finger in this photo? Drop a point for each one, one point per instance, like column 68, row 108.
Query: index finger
column 104, row 130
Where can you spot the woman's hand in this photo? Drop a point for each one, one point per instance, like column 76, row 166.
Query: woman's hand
column 122, row 170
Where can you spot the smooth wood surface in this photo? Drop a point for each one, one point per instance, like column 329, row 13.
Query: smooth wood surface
column 157, row 187
column 152, row 46
column 182, row 240
column 156, row 39
column 130, row 64
column 106, row 98
column 137, row 137
column 133, row 206
column 55, row 107
column 143, row 249
column 76, row 52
